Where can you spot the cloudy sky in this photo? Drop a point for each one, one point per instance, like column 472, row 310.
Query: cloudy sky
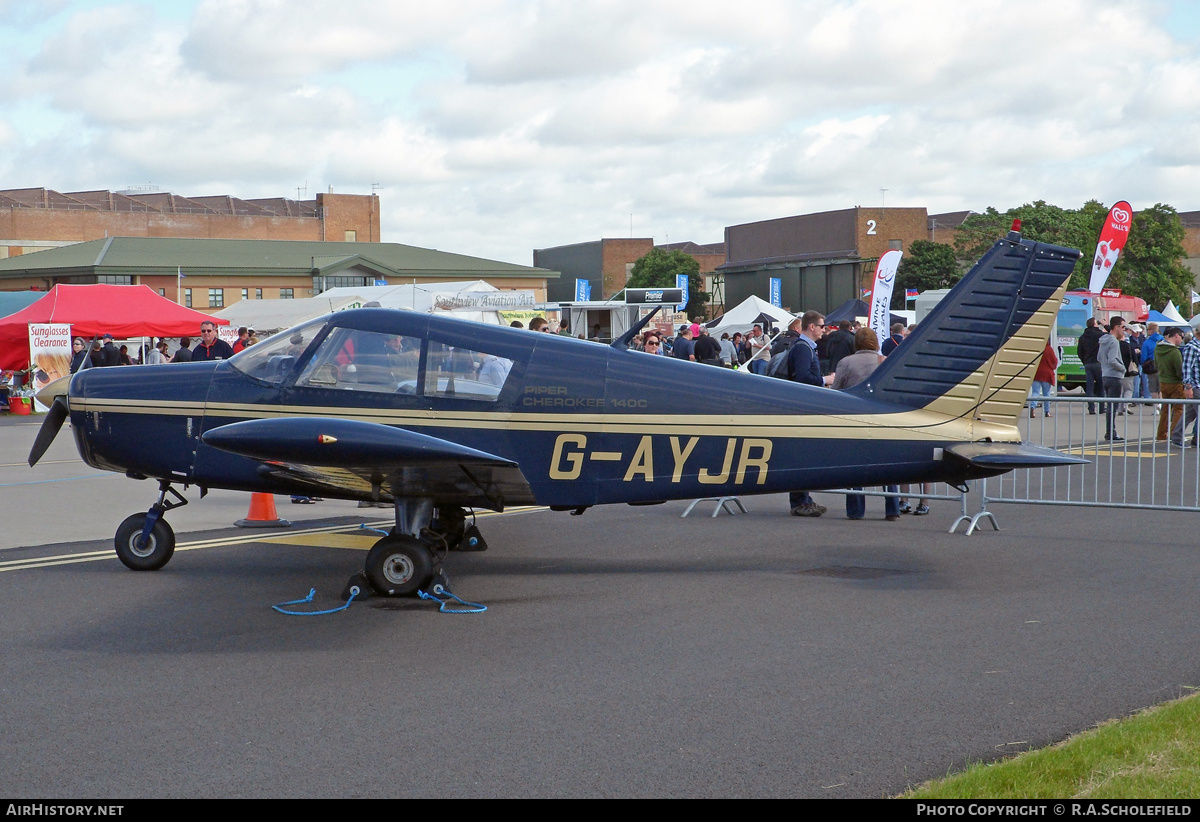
column 493, row 127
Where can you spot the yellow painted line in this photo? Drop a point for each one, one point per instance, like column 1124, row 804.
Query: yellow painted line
column 351, row 541
column 335, row 536
column 1119, row 452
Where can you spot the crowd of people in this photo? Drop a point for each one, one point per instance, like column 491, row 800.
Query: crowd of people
column 104, row 353
column 1123, row 360
column 808, row 351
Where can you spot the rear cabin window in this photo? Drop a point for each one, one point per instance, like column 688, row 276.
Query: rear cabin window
column 463, row 373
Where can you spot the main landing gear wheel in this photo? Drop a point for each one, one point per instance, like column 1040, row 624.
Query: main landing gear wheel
column 399, row 566
column 144, row 555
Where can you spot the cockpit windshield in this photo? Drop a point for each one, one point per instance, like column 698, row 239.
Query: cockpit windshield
column 273, row 359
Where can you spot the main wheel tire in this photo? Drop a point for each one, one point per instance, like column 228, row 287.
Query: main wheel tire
column 399, row 566
column 156, row 551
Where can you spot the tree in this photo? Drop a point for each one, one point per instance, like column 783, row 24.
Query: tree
column 1089, row 222
column 978, row 233
column 1151, row 265
column 658, row 268
column 925, row 265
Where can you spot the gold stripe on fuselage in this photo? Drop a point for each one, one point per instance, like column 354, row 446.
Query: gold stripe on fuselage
column 901, row 425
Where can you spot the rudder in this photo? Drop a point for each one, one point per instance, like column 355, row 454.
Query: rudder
column 976, row 353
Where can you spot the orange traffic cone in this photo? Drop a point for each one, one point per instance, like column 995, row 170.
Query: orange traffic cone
column 262, row 513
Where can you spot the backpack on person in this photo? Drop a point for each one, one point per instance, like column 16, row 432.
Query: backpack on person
column 780, row 364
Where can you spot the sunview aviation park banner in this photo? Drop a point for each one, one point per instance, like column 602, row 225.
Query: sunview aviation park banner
column 881, row 293
column 1112, row 240
column 49, row 354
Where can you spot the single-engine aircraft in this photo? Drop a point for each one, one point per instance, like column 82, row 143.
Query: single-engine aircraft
column 442, row 416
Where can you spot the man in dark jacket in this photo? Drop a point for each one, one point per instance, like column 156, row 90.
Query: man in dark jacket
column 109, row 355
column 184, row 354
column 707, row 350
column 683, row 348
column 211, row 346
column 804, row 368
column 890, row 344
column 839, row 344
column 1088, row 349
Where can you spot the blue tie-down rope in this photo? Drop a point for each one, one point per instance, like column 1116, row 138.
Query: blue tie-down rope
column 312, row 593
column 444, row 604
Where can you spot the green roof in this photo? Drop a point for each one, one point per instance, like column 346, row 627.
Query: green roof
column 159, row 255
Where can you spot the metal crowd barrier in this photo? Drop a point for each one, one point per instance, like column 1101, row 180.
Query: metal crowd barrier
column 930, row 491
column 1135, row 471
column 1132, row 470
column 938, row 491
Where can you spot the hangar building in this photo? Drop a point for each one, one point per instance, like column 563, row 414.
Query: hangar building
column 210, row 274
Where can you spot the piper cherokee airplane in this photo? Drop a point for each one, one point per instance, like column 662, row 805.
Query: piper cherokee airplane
column 441, row 416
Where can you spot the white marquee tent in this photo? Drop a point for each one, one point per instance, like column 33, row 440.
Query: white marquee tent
column 746, row 314
column 471, row 300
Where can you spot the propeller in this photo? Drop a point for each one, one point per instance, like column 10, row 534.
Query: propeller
column 59, row 411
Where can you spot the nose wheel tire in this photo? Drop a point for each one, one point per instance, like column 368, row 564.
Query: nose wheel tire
column 399, row 566
column 144, row 555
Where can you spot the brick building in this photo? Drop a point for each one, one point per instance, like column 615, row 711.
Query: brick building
column 604, row 263
column 35, row 219
column 822, row 259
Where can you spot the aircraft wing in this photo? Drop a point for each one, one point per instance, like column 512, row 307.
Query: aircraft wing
column 371, row 459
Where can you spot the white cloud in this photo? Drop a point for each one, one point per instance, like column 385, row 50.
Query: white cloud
column 497, row 127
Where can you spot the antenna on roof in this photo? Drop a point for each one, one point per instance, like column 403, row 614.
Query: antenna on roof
column 375, row 187
column 301, row 191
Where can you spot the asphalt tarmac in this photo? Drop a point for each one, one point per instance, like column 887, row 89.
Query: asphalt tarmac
column 625, row 652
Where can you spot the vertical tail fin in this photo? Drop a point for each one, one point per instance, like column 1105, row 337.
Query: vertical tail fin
column 976, row 353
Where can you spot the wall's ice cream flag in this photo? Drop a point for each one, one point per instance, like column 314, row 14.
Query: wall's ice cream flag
column 1112, row 240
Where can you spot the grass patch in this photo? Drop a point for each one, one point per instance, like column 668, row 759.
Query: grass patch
column 1154, row 754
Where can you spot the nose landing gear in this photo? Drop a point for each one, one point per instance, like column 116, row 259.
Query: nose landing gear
column 145, row 542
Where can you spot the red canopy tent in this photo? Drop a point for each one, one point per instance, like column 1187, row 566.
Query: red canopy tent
column 125, row 311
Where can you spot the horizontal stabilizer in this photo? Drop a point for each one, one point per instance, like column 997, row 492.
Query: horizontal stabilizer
column 333, row 442
column 1003, row 456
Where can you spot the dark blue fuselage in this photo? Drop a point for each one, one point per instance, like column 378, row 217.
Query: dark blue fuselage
column 586, row 423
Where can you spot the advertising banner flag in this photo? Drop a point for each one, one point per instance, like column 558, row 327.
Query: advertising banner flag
column 881, row 293
column 583, row 290
column 1112, row 240
column 681, row 281
column 49, row 354
column 777, row 292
